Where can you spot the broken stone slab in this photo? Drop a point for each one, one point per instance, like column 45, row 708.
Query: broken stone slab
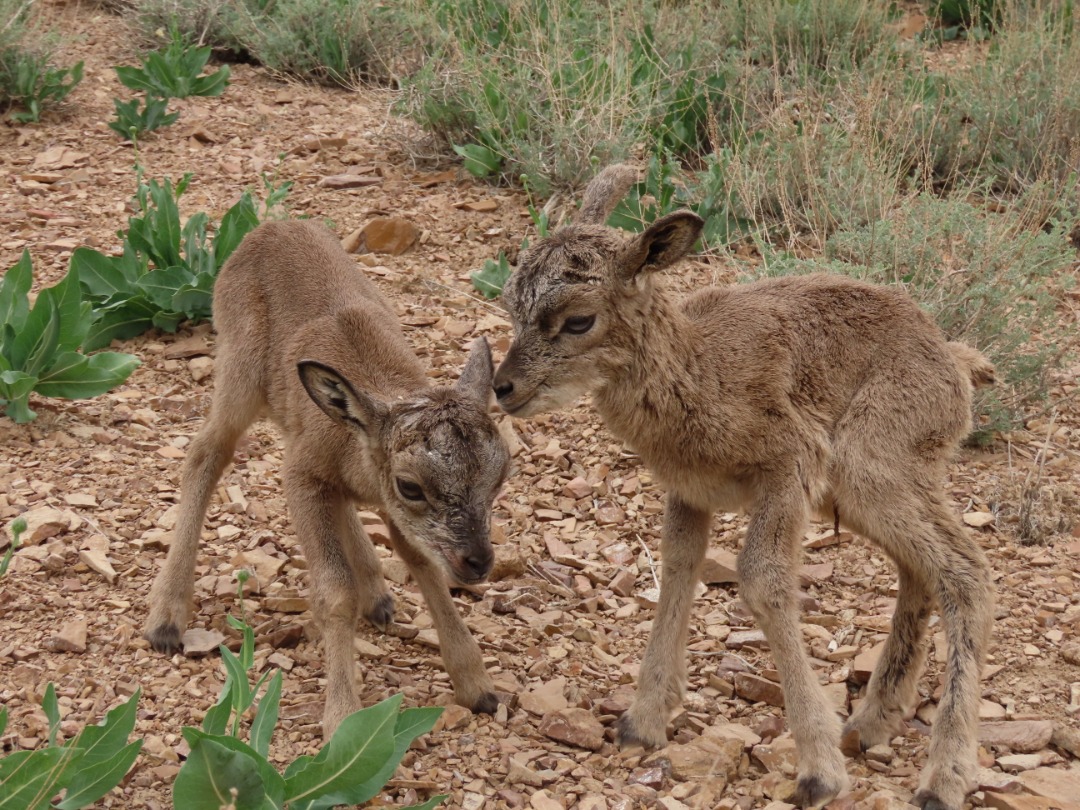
column 757, row 689
column 1016, row 763
column 70, row 638
column 388, row 235
column 864, row 663
column 574, row 727
column 1062, row 786
column 701, row 758
column 43, row 523
column 95, row 555
column 779, row 756
column 201, row 642
column 548, row 697
column 733, row 731
column 720, row 568
column 1021, row 736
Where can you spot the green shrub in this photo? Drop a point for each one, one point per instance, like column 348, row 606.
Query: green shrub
column 135, row 118
column 27, row 77
column 85, row 768
column 174, row 72
column 128, row 296
column 223, row 770
column 41, row 347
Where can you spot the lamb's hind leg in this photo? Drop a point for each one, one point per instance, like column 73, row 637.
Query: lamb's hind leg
column 767, row 585
column 892, row 688
column 941, row 564
column 237, row 400
column 663, row 670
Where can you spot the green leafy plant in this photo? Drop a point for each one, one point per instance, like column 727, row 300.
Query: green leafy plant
column 490, row 279
column 166, row 271
column 32, row 83
column 175, row 73
column 224, row 771
column 85, row 768
column 18, row 526
column 136, row 117
column 40, row 348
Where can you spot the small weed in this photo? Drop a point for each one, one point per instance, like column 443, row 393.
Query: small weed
column 41, row 347
column 18, row 526
column 175, row 73
column 135, row 118
column 27, row 78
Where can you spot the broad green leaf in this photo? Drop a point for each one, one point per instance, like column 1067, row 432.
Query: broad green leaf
column 121, row 320
column 212, row 85
column 411, row 723
column 358, row 751
column 3, row 718
column 13, row 289
column 492, row 277
column 480, row 160
column 74, row 314
column 87, row 785
column 26, row 777
column 15, row 388
column 161, row 285
column 237, row 223
column 37, row 340
column 52, row 711
column 272, row 781
column 168, row 321
column 214, row 777
column 101, row 372
column 262, row 727
column 217, row 716
column 135, row 79
column 103, row 741
column 297, row 765
column 236, row 677
column 103, row 276
column 196, row 300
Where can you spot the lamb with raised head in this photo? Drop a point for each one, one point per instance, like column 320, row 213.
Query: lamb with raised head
column 786, row 397
column 305, row 337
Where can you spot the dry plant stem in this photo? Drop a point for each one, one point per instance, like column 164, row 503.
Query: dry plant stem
column 787, row 398
column 372, row 434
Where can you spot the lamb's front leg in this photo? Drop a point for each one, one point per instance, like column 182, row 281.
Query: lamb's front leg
column 473, row 687
column 767, row 585
column 663, row 670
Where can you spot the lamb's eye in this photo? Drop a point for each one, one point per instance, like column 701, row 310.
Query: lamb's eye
column 410, row 490
column 578, row 324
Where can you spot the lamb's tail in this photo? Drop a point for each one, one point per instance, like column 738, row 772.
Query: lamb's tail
column 973, row 364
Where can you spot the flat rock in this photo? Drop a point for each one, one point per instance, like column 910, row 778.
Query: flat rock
column 41, row 524
column 733, row 731
column 864, row 663
column 1021, row 736
column 95, row 555
column 1060, row 785
column 755, row 688
column 264, row 566
column 343, row 181
column 779, row 756
column 719, row 568
column 702, row 757
column 201, row 642
column 1015, row 763
column 70, row 638
column 519, row 774
column 574, row 727
column 738, row 639
column 1013, row 801
column 389, row 235
column 453, row 717
column 548, row 697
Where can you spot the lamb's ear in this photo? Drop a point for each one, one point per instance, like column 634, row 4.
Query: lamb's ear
column 662, row 244
column 604, row 192
column 353, row 409
column 475, row 379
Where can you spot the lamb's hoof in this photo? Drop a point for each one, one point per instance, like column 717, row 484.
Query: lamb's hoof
column 165, row 638
column 928, row 800
column 812, row 792
column 382, row 615
column 487, row 703
column 627, row 735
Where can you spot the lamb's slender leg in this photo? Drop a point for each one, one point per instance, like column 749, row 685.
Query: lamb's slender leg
column 376, row 601
column 315, row 508
column 663, row 670
column 892, row 689
column 236, row 404
column 767, row 583
column 944, row 566
column 473, row 687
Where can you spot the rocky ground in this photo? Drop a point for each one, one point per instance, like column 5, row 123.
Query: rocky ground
column 564, row 626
